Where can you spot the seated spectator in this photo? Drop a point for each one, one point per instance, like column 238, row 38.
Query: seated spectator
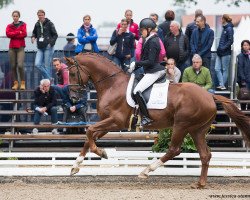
column 45, row 104
column 198, row 74
column 69, row 48
column 125, row 45
column 159, row 31
column 173, row 74
column 243, row 64
column 62, row 73
column 75, row 107
column 87, row 37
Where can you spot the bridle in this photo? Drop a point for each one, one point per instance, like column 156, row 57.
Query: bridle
column 80, row 81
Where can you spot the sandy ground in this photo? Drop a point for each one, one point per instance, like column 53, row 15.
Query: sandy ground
column 121, row 187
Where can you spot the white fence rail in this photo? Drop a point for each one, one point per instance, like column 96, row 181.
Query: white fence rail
column 121, row 163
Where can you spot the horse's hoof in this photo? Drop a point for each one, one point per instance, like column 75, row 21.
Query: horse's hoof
column 143, row 176
column 104, row 154
column 197, row 186
column 74, row 171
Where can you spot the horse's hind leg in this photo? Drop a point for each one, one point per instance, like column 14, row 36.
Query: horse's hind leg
column 75, row 168
column 174, row 150
column 205, row 156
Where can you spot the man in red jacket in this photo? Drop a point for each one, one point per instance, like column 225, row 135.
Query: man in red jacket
column 16, row 31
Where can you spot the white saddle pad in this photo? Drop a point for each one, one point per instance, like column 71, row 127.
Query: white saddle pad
column 158, row 97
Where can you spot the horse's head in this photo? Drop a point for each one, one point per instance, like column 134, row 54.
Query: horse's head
column 78, row 79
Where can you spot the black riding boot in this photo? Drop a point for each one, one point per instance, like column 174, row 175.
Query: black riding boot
column 143, row 108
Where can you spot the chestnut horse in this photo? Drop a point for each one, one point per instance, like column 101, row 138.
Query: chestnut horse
column 190, row 109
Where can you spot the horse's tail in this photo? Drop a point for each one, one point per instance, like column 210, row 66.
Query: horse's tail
column 240, row 119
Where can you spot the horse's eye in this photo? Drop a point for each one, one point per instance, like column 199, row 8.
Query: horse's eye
column 72, row 74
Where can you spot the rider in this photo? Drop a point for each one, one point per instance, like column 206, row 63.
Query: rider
column 150, row 62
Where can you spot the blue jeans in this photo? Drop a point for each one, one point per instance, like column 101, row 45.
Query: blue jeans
column 58, row 90
column 122, row 62
column 43, row 61
column 221, row 68
column 52, row 112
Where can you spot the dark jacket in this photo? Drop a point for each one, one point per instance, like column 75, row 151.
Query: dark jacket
column 165, row 26
column 189, row 29
column 160, row 33
column 47, row 31
column 150, row 55
column 203, row 48
column 47, row 99
column 83, row 39
column 67, row 101
column 125, row 44
column 243, row 64
column 226, row 40
column 178, row 44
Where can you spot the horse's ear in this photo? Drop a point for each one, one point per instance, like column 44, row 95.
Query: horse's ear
column 68, row 60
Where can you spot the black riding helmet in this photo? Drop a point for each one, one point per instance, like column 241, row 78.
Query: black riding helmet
column 147, row 23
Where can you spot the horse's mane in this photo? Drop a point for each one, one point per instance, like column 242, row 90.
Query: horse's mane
column 101, row 57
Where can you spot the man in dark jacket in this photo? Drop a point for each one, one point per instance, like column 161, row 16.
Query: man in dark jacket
column 45, row 34
column 125, row 45
column 45, row 103
column 177, row 46
column 223, row 57
column 202, row 40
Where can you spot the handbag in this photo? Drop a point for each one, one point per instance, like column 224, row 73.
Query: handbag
column 244, row 94
column 112, row 49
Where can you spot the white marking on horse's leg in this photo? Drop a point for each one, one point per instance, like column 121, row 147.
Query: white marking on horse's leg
column 78, row 161
column 150, row 168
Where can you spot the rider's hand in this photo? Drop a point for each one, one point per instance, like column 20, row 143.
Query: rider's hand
column 131, row 67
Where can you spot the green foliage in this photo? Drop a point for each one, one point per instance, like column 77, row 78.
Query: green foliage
column 164, row 138
column 187, row 3
column 4, row 3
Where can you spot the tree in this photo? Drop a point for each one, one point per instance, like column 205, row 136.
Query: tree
column 195, row 2
column 4, row 3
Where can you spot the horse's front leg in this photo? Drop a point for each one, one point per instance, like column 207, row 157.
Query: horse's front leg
column 102, row 126
column 76, row 167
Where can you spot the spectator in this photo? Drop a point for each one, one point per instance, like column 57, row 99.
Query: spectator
column 150, row 62
column 45, row 104
column 198, row 74
column 202, row 40
column 87, row 37
column 243, row 64
column 125, row 45
column 62, row 73
column 159, row 31
column 177, row 45
column 132, row 26
column 69, row 48
column 173, row 74
column 75, row 107
column 165, row 26
column 16, row 31
column 45, row 34
column 223, row 57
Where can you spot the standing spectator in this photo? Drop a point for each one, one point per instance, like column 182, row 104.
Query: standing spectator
column 243, row 64
column 125, row 45
column 223, row 57
column 176, row 45
column 165, row 26
column 45, row 34
column 173, row 74
column 62, row 73
column 69, row 48
column 87, row 37
column 202, row 40
column 159, row 31
column 133, row 27
column 45, row 103
column 198, row 74
column 16, row 31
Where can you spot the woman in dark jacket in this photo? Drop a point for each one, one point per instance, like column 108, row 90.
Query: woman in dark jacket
column 150, row 62
column 243, row 64
column 125, row 45
column 16, row 31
